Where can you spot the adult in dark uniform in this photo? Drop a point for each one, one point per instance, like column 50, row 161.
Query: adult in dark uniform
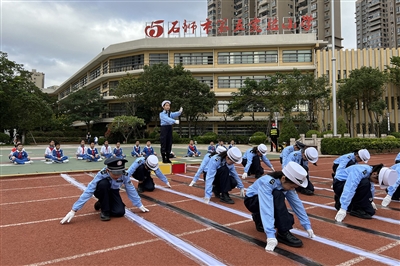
column 354, row 189
column 141, row 169
column 167, row 119
column 105, row 186
column 274, row 135
column 265, row 199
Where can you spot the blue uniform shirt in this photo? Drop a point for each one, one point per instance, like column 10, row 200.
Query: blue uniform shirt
column 286, row 151
column 211, row 149
column 203, row 167
column 166, row 120
column 138, row 162
column 136, row 151
column 353, row 176
column 343, row 160
column 115, row 184
column 147, row 151
column 263, row 187
column 397, row 157
column 296, row 157
column 249, row 156
column 393, row 188
column 213, row 165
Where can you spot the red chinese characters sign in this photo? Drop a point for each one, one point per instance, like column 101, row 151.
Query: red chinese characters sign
column 160, row 28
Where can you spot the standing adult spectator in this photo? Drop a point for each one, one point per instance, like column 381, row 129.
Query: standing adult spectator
column 167, row 119
column 88, row 137
column 274, row 135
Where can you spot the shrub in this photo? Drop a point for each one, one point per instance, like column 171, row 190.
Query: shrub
column 101, row 140
column 207, row 138
column 4, row 138
column 258, row 137
column 396, row 134
column 311, row 132
column 340, row 146
column 327, row 132
column 288, row 131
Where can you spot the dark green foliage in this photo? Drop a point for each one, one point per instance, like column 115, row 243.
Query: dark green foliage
column 258, row 138
column 207, row 138
column 311, row 132
column 288, row 131
column 339, row 146
column 396, row 134
column 4, row 138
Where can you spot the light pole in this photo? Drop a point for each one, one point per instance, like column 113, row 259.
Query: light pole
column 333, row 68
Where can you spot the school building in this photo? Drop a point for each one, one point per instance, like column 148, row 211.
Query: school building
column 224, row 63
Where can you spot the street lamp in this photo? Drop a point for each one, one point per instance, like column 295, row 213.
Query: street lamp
column 333, row 68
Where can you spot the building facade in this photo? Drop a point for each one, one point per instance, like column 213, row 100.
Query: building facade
column 38, row 78
column 378, row 23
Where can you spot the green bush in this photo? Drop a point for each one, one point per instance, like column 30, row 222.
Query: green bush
column 101, row 140
column 326, row 132
column 258, row 138
column 4, row 138
column 390, row 137
column 311, row 132
column 207, row 138
column 339, row 146
column 396, row 134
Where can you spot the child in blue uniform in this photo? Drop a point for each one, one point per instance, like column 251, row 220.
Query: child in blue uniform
column 117, row 152
column 105, row 186
column 20, row 156
column 136, row 150
column 81, row 152
column 222, row 176
column 251, row 161
column 393, row 191
column 265, row 199
column 93, row 154
column 148, row 150
column 211, row 147
column 141, row 170
column 354, row 189
column 192, row 150
column 48, row 154
column 58, row 154
column 204, row 165
column 167, row 119
column 105, row 150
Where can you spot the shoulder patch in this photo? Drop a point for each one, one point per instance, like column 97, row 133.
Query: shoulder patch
column 295, row 154
column 217, row 158
column 364, row 172
column 103, row 172
column 272, row 181
column 349, row 156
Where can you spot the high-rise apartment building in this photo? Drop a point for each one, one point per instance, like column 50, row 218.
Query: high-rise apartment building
column 283, row 11
column 38, row 78
column 378, row 23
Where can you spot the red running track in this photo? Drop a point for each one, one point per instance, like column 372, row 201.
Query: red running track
column 31, row 208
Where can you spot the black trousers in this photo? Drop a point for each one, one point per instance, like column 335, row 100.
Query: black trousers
column 336, row 165
column 255, row 167
column 166, row 139
column 284, row 220
column 310, row 186
column 362, row 198
column 396, row 194
column 142, row 174
column 274, row 140
column 110, row 199
column 223, row 182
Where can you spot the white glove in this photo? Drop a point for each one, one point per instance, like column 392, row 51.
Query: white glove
column 340, row 215
column 192, row 183
column 168, row 185
column 206, row 200
column 177, row 122
column 374, row 205
column 273, row 169
column 310, row 233
column 180, row 110
column 244, row 176
column 242, row 193
column 271, row 244
column 143, row 209
column 386, row 200
column 68, row 217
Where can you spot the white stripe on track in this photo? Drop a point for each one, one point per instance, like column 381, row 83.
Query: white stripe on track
column 22, row 188
column 30, row 201
column 189, row 250
column 335, row 244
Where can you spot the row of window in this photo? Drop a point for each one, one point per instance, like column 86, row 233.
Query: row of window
column 302, row 106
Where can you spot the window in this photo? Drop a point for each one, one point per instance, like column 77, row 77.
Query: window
column 193, row 58
column 256, row 57
column 301, row 106
column 105, row 67
column 126, row 63
column 117, row 109
column 222, row 106
column 207, row 80
column 297, row 56
column 237, row 81
column 158, row 58
column 94, row 73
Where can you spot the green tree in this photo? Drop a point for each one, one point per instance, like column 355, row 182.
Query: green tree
column 125, row 125
column 341, row 126
column 23, row 106
column 288, row 131
column 83, row 105
column 394, row 72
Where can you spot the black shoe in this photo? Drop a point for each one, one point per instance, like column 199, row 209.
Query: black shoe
column 225, row 198
column 306, row 192
column 256, row 219
column 104, row 216
column 140, row 188
column 288, row 239
column 97, row 205
column 395, row 198
column 168, row 160
column 216, row 193
column 360, row 214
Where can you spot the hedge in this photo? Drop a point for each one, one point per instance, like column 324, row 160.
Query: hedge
column 257, row 138
column 339, row 146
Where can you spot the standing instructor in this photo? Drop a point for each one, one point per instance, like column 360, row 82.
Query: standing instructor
column 167, row 119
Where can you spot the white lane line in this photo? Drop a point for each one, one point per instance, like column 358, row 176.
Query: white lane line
column 23, row 188
column 189, row 250
column 39, row 200
column 19, row 179
column 96, row 252
column 326, row 241
column 43, row 221
column 376, row 251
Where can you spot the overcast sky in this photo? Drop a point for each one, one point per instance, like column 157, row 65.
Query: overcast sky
column 59, row 37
